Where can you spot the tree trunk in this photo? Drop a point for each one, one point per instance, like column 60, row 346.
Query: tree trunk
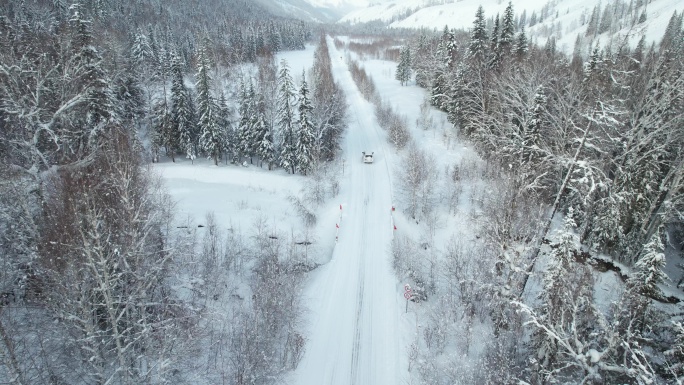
column 556, row 204
column 654, row 215
column 12, row 358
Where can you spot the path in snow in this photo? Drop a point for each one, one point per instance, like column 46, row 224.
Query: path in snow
column 355, row 302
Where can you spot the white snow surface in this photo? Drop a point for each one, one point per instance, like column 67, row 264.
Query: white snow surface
column 237, row 195
column 564, row 20
column 338, row 3
column 355, row 301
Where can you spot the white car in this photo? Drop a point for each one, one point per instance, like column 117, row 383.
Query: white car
column 368, row 158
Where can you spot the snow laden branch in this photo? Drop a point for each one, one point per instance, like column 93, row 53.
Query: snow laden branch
column 105, row 268
column 555, row 207
column 48, row 100
column 589, row 358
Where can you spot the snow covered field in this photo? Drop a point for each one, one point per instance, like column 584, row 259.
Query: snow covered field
column 355, row 301
column 237, row 195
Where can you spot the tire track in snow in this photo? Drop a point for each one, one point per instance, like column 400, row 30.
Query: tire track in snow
column 361, row 275
column 359, row 309
column 354, row 337
column 372, row 361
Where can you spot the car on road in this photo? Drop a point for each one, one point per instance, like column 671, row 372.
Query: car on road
column 368, row 158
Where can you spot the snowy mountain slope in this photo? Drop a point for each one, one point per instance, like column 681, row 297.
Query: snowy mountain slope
column 299, row 9
column 320, row 11
column 340, row 4
column 564, row 19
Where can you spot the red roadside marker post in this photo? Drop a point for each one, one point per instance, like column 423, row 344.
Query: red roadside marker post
column 337, row 225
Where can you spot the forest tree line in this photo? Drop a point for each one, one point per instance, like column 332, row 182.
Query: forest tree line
column 97, row 283
column 596, row 138
column 276, row 122
column 534, row 107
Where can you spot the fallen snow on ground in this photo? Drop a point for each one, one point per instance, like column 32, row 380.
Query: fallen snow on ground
column 355, row 302
column 236, row 194
column 357, row 327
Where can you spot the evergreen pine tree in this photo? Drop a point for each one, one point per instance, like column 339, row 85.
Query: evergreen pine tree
column 447, row 49
column 550, row 46
column 142, row 52
column 438, row 89
column 592, row 25
column 494, row 47
column 478, row 36
column 99, row 96
column 592, row 68
column 423, row 64
column 672, row 32
column 329, row 105
column 181, row 112
column 606, row 19
column 403, row 72
column 274, row 39
column 263, row 138
column 249, row 116
column 532, row 133
column 245, row 112
column 226, row 128
column 130, row 100
column 565, row 308
column 210, row 138
column 162, row 129
column 642, row 17
column 305, row 138
column 523, row 19
column 676, row 351
column 533, row 19
column 154, row 47
column 638, row 54
column 494, row 40
column 648, row 270
column 507, row 31
column 260, row 43
column 521, row 48
column 577, row 59
column 557, row 290
column 256, row 123
column 286, row 122
column 445, row 34
column 454, row 104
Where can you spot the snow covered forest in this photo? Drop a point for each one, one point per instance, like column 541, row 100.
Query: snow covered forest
column 532, row 202
column 599, row 140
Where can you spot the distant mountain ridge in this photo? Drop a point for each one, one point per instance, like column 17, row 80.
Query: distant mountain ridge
column 564, row 20
column 321, row 11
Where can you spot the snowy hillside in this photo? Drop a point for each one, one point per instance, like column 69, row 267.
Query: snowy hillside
column 321, row 11
column 564, row 19
column 299, row 9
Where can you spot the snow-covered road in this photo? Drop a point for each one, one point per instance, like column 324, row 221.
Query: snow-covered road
column 355, row 303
